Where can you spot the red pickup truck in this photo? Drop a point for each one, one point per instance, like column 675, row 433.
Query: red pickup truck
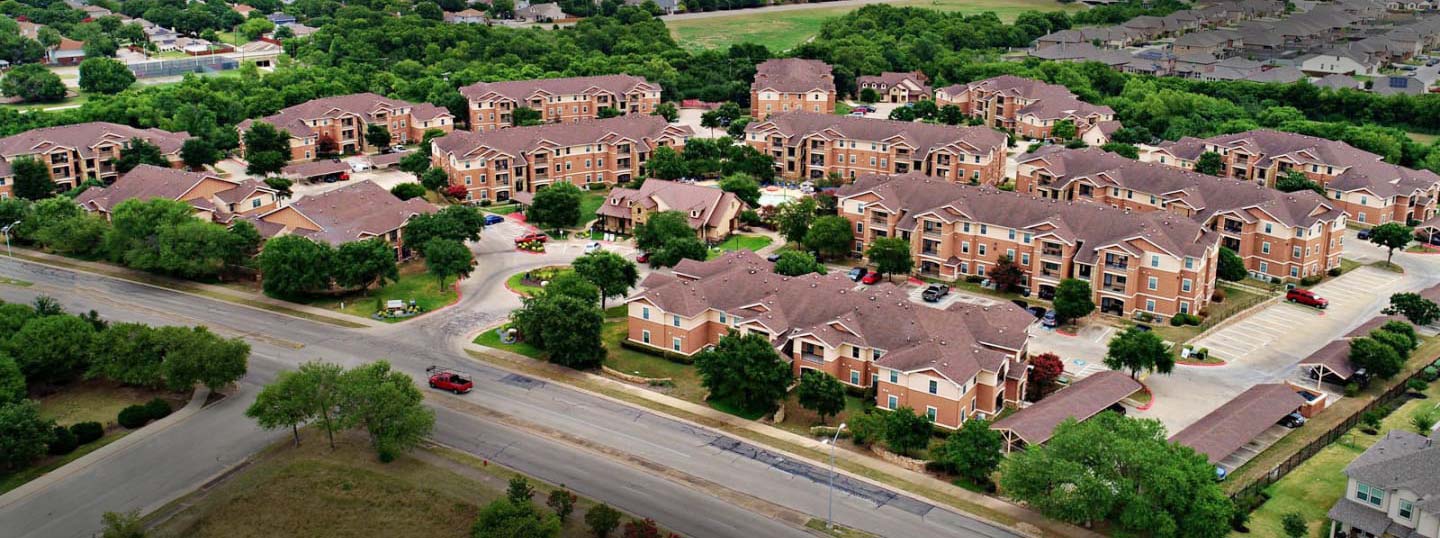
column 533, row 236
column 450, row 380
column 1307, row 298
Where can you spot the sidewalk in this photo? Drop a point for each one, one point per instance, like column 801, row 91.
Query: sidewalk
column 1019, row 519
column 197, row 401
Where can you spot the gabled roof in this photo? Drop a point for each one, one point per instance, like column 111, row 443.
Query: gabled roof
column 521, row 90
column 294, row 119
column 1049, row 101
column 642, row 130
column 793, row 75
column 914, row 79
column 1081, row 400
column 923, row 137
column 1402, row 460
column 145, row 182
column 82, row 137
column 1239, row 420
column 354, row 212
column 704, row 203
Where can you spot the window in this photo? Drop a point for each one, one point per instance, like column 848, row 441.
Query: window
column 1154, row 260
column 854, row 352
column 1265, row 247
column 644, row 312
column 1189, row 262
column 722, row 317
column 1267, row 227
column 854, row 377
column 964, row 247
column 676, row 322
column 1295, row 252
column 1027, row 237
column 981, row 247
column 930, row 412
column 1374, row 496
column 894, row 376
column 934, row 387
column 1184, row 308
column 675, row 344
column 1149, row 305
column 1011, row 234
column 966, row 227
column 1185, row 285
column 1264, row 268
column 1152, row 284
column 1025, row 259
column 892, row 402
column 984, row 228
column 1407, row 509
column 253, row 203
column 645, row 336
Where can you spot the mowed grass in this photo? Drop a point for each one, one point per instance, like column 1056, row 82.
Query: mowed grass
column 94, row 401
column 781, row 30
column 685, row 380
column 1423, row 138
column 415, row 284
column 740, row 242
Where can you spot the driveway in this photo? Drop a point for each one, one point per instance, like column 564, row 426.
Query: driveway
column 386, row 178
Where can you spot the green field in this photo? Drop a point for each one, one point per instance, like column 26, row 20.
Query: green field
column 780, row 30
column 1423, row 138
column 415, row 283
column 737, row 242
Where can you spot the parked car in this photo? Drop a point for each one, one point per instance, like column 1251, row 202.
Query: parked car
column 398, row 148
column 858, row 273
column 594, row 246
column 1047, row 293
column 1049, row 321
column 1117, row 408
column 1307, row 298
column 934, row 292
column 1293, row 420
column 870, row 278
column 491, row 220
column 772, row 258
column 445, row 379
column 1038, row 311
column 359, row 166
column 533, row 236
column 863, row 109
column 1142, row 327
column 643, row 257
column 1364, row 234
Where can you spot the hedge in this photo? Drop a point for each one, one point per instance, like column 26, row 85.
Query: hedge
column 87, row 432
column 63, row 443
column 133, row 416
column 662, row 353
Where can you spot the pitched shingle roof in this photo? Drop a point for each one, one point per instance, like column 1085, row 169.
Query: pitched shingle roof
column 1081, row 400
column 924, row 137
column 1230, row 426
column 705, row 202
column 522, row 90
column 793, row 75
column 1052, row 101
column 145, row 182
column 82, row 136
column 354, row 212
column 293, row 119
column 1402, row 460
column 515, row 141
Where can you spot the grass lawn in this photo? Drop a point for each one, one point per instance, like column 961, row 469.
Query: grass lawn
column 781, row 30
column 97, row 401
column 739, row 242
column 68, row 102
column 589, row 202
column 503, row 209
column 491, row 339
column 1236, row 300
column 1422, row 138
column 1316, row 484
column 516, row 282
column 686, row 382
column 800, row 420
column 842, row 108
column 415, row 283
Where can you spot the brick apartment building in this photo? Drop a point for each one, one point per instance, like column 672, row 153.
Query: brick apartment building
column 1027, row 107
column 1135, row 262
column 807, row 145
column 789, row 84
column 1369, row 190
column 75, row 153
column 492, row 165
column 1281, row 235
column 713, row 213
column 953, row 364
column 355, row 212
column 214, row 198
column 896, row 87
column 558, row 99
column 345, row 118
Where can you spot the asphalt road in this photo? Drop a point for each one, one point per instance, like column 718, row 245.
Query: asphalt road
column 594, row 445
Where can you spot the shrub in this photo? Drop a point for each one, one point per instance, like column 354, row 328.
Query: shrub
column 133, row 416
column 1218, row 296
column 1416, row 384
column 1184, row 319
column 1351, row 389
column 1311, row 280
column 63, row 443
column 1431, row 373
column 974, row 279
column 1334, row 271
column 87, row 432
column 157, row 409
column 867, row 428
column 751, row 218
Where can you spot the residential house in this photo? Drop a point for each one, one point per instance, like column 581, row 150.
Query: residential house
column 467, row 16
column 214, row 198
column 343, row 120
column 808, row 145
column 1337, row 82
column 1027, row 107
column 1398, row 84
column 1279, row 235
column 713, row 213
column 281, row 18
column 1369, row 190
column 68, row 52
column 1136, row 262
column 667, row 7
column 494, row 164
column 492, row 104
column 896, row 87
column 1337, row 61
column 351, row 213
column 1393, row 489
column 1216, row 43
column 75, row 153
column 966, row 361
column 541, row 13
column 790, row 84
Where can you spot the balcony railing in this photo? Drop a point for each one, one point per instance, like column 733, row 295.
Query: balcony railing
column 812, row 358
column 1051, row 252
column 931, row 232
column 1117, row 265
column 1117, row 288
column 1232, row 229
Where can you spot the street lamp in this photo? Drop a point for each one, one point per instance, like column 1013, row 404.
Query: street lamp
column 6, row 231
column 830, row 503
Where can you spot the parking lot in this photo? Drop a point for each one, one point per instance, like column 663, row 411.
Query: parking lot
column 1253, row 448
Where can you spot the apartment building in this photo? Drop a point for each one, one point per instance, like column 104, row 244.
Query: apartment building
column 344, row 119
column 214, row 198
column 354, row 212
column 713, row 214
column 1393, row 489
column 1369, row 190
column 790, row 84
column 808, row 145
column 75, row 153
column 558, row 99
column 493, row 165
column 1279, row 235
column 896, row 87
column 1027, row 107
column 1151, row 262
column 952, row 364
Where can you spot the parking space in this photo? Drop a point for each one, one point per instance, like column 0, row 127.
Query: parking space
column 1253, row 448
column 955, row 296
column 1082, row 354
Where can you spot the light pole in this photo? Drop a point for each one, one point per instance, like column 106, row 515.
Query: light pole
column 830, row 503
column 6, row 230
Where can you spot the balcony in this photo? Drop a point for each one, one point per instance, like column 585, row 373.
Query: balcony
column 812, row 358
column 931, row 232
column 1120, row 265
column 879, row 219
column 1049, row 252
column 1116, row 288
column 1231, row 228
column 817, row 160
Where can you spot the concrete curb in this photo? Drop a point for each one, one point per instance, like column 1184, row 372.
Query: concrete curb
column 197, row 402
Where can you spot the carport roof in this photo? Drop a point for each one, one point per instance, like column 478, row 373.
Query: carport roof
column 1081, row 400
column 1230, row 426
column 1335, row 356
column 315, row 169
column 1373, row 324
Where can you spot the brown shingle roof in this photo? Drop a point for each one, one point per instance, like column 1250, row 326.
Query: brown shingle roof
column 924, row 137
column 315, row 169
column 82, row 136
column 1230, row 426
column 793, row 75
column 1081, row 400
column 522, row 90
column 293, row 119
column 516, row 141
column 1335, row 356
column 356, row 211
column 145, row 182
column 675, row 196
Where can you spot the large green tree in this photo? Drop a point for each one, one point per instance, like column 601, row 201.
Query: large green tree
column 660, row 228
column 447, row 258
column 793, row 219
column 1414, row 307
column 1232, row 267
column 744, row 370
column 1390, row 236
column 131, row 353
column 281, row 404
column 608, row 271
column 556, row 206
column 906, row 432
column 744, row 187
column 196, row 355
column 266, row 148
column 140, row 151
column 822, row 393
column 52, row 349
column 32, row 83
column 506, row 518
column 973, row 451
column 1139, row 351
column 387, row 405
column 568, row 328
column 891, row 255
column 32, row 179
column 367, row 262
column 12, row 381
column 1073, row 300
column 24, row 435
column 455, row 222
column 291, row 265
column 830, row 236
column 798, row 262
column 105, row 75
column 1375, row 357
column 1209, row 163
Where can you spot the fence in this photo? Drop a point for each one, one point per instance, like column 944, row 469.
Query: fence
column 180, row 66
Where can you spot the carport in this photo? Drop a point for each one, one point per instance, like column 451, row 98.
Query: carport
column 1374, row 323
column 1331, row 363
column 1081, row 400
column 1430, row 230
column 316, row 171
column 1231, row 426
column 387, row 160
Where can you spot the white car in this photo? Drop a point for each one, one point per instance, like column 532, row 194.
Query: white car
column 594, row 246
column 398, row 148
column 359, row 166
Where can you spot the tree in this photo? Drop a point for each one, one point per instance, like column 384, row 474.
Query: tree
column 387, row 405
column 830, row 236
column 744, row 187
column 821, row 393
column 1127, row 151
column 359, row 264
column 973, row 451
column 1136, row 350
column 555, row 207
column 571, row 332
column 253, row 29
column 320, row 388
column 602, row 520
column 793, row 219
column 1375, row 357
column 32, row 83
column 131, row 353
column 506, row 518
column 52, row 349
column 429, row 11
column 1007, row 275
column 1072, row 300
column 1295, row 180
column 667, row 111
column 607, row 112
column 868, row 95
column 907, row 432
column 445, row 258
column 24, row 436
column 798, row 262
column 377, row 136
column 891, row 255
column 524, row 117
column 282, row 403
column 266, row 148
column 676, row 249
column 519, row 491
column 744, row 370
column 32, row 179
column 660, row 228
column 1294, row 525
column 198, row 153
column 666, row 163
column 1045, row 369
column 1414, row 307
column 105, row 75
column 326, row 146
column 455, row 222
column 435, row 179
column 291, row 265
column 903, row 113
column 1232, row 267
column 502, row 9
column 1390, row 236
column 137, row 152
column 100, row 46
column 562, row 501
column 1424, row 421
column 191, row 249
column 12, row 381
column 196, row 355
column 608, row 271
column 406, row 191
column 1401, row 343
column 281, row 185
column 122, row 525
column 1063, row 130
column 1209, row 163
column 13, row 316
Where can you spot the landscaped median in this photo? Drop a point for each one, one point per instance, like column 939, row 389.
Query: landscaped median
column 414, row 284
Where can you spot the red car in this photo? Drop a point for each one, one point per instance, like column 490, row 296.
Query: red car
column 643, row 257
column 450, row 380
column 1307, row 298
column 871, row 278
column 533, row 236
